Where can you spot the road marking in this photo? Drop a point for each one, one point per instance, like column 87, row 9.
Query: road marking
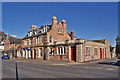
column 88, row 67
column 99, row 68
column 73, row 66
column 58, row 64
column 20, row 61
column 109, row 69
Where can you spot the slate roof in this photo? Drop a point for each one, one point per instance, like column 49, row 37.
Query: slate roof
column 14, row 40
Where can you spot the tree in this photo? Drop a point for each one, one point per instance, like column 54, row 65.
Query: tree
column 118, row 45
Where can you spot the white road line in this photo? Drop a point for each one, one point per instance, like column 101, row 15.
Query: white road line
column 20, row 61
column 99, row 68
column 58, row 64
column 109, row 69
column 89, row 67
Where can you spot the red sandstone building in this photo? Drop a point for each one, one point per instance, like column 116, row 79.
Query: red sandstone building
column 11, row 46
column 53, row 42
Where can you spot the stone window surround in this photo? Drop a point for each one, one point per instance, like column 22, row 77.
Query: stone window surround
column 87, row 54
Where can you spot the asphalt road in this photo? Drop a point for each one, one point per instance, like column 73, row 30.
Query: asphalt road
column 22, row 69
column 1, row 64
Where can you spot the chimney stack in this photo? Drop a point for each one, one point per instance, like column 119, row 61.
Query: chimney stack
column 64, row 23
column 33, row 27
column 72, row 35
column 54, row 20
column 7, row 35
column 14, row 36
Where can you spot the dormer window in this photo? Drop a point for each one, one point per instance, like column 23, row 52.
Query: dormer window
column 51, row 39
column 36, row 32
column 30, row 34
column 42, row 30
column 45, row 29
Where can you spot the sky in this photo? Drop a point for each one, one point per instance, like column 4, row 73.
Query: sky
column 89, row 20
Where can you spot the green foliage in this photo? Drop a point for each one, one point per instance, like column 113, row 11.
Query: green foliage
column 118, row 45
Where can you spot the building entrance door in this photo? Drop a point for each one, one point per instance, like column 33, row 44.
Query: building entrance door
column 73, row 54
column 100, row 53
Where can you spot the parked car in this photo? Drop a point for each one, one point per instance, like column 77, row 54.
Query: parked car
column 5, row 57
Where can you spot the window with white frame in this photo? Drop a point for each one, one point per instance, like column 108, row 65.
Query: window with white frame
column 36, row 32
column 64, row 50
column 18, row 53
column 58, row 50
column 41, row 39
column 30, row 42
column 87, row 51
column 45, row 29
column 51, row 51
column 23, row 53
column 30, row 34
column 36, row 40
column 29, row 53
column 51, row 39
column 61, row 50
column 40, row 52
column 59, row 30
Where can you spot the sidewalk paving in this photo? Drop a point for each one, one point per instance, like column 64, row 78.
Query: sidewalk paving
column 57, row 62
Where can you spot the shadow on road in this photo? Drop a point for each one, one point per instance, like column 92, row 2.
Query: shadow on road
column 111, row 63
column 16, row 72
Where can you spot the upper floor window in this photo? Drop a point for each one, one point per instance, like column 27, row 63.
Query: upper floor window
column 59, row 30
column 42, row 30
column 45, row 29
column 36, row 40
column 30, row 41
column 25, row 42
column 51, row 51
column 41, row 39
column 30, row 34
column 51, row 39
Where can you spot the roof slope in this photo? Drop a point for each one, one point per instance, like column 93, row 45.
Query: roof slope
column 14, row 40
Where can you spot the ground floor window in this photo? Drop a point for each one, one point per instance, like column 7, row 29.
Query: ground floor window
column 95, row 51
column 64, row 50
column 29, row 53
column 51, row 51
column 40, row 52
column 26, row 53
column 61, row 50
column 87, row 51
column 23, row 53
column 18, row 53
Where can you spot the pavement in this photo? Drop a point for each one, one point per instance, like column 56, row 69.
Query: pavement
column 58, row 62
column 13, row 68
